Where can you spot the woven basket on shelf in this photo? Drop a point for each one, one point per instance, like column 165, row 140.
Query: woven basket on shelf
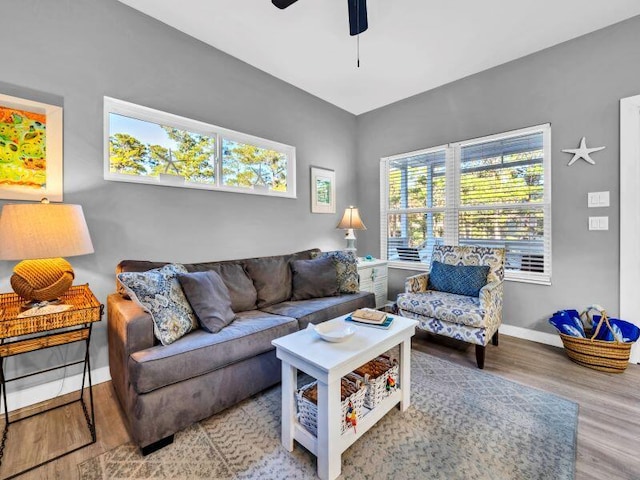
column 380, row 375
column 612, row 357
column 353, row 390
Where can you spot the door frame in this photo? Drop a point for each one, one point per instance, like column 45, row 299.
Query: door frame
column 630, row 214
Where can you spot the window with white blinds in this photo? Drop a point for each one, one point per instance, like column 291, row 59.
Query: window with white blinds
column 493, row 191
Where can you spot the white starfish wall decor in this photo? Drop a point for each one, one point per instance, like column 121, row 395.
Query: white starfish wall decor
column 582, row 152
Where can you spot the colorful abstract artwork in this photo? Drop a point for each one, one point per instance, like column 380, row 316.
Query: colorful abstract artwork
column 23, row 160
column 30, row 150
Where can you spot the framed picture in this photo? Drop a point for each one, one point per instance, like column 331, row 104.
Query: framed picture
column 30, row 150
column 323, row 190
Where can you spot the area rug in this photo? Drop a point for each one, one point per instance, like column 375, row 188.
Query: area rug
column 463, row 423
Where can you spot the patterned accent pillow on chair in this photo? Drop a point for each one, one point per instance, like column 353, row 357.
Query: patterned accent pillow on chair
column 159, row 293
column 346, row 268
column 459, row 279
column 472, row 255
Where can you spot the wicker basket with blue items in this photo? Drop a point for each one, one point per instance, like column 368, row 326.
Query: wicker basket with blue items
column 602, row 344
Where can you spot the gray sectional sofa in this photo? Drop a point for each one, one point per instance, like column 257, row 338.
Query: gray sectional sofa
column 164, row 388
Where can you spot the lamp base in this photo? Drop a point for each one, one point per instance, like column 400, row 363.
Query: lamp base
column 43, row 279
column 350, row 237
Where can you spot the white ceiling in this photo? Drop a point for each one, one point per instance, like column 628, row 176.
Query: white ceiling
column 411, row 46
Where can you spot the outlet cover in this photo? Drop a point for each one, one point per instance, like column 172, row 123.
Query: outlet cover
column 598, row 223
column 598, row 199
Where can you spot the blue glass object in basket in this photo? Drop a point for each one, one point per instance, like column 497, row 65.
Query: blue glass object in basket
column 624, row 331
column 568, row 322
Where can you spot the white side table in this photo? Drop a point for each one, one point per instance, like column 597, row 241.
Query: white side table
column 373, row 278
column 328, row 363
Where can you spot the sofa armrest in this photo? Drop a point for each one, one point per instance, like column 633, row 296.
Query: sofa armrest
column 416, row 283
column 129, row 324
column 130, row 329
column 491, row 302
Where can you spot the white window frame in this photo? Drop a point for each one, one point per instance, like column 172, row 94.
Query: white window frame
column 139, row 112
column 452, row 202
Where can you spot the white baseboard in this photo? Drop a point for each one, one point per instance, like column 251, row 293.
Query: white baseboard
column 533, row 335
column 47, row 391
column 547, row 338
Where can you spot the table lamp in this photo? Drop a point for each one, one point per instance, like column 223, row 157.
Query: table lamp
column 39, row 234
column 351, row 221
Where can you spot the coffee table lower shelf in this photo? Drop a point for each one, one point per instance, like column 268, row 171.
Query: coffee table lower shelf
column 348, row 438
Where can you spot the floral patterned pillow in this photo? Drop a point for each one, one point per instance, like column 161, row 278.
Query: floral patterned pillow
column 159, row 293
column 346, row 268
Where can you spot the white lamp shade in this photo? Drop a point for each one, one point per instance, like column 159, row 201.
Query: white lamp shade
column 351, row 219
column 43, row 230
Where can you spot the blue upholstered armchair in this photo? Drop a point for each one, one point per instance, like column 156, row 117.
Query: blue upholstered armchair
column 473, row 319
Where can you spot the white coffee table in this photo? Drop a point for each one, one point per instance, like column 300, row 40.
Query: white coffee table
column 328, row 363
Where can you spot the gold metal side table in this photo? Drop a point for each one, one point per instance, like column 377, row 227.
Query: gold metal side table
column 22, row 335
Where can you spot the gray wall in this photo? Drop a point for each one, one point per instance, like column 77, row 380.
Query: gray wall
column 576, row 86
column 82, row 50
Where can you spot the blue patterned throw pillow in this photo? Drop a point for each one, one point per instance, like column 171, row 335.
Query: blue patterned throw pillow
column 459, row 279
column 159, row 293
column 346, row 269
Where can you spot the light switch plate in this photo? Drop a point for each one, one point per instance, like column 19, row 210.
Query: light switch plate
column 598, row 223
column 598, row 199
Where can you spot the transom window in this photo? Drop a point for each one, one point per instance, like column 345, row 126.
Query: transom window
column 493, row 191
column 144, row 145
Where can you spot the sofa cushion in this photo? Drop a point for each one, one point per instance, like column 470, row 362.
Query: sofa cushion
column 317, row 310
column 239, row 304
column 209, row 298
column 346, row 268
column 198, row 353
column 159, row 293
column 314, row 278
column 458, row 279
column 243, row 293
column 241, row 290
column 448, row 307
column 272, row 279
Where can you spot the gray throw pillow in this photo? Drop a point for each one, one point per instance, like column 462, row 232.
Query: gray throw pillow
column 209, row 297
column 314, row 278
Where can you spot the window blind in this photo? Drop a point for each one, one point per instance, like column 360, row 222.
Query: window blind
column 493, row 192
column 502, row 187
column 414, row 211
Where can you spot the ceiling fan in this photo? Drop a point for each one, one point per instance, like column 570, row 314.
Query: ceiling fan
column 357, row 13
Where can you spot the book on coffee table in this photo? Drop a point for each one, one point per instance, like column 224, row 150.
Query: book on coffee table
column 384, row 325
column 369, row 315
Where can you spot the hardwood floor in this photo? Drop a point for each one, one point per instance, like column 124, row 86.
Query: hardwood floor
column 608, row 427
column 609, row 416
column 31, row 441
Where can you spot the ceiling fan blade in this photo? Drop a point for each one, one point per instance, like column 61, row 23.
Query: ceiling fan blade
column 357, row 16
column 282, row 4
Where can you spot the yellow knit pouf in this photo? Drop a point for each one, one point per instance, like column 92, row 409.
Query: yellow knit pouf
column 43, row 279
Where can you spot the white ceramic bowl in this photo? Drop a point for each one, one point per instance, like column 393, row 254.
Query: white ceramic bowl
column 333, row 332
